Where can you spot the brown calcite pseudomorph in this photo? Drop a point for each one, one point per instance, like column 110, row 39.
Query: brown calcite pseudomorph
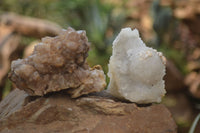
column 58, row 63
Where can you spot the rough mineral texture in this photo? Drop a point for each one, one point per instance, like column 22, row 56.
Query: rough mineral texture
column 59, row 113
column 58, row 63
column 135, row 70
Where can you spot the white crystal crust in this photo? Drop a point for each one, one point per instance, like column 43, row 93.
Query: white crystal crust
column 136, row 71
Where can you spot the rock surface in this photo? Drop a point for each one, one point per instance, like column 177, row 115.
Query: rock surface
column 92, row 114
column 58, row 63
column 193, row 81
column 173, row 79
column 135, row 70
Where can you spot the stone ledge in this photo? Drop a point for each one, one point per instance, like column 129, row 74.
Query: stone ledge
column 59, row 113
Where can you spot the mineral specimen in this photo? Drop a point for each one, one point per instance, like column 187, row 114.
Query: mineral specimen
column 135, row 70
column 58, row 63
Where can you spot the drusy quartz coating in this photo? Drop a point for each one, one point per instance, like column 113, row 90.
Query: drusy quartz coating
column 135, row 70
column 58, row 63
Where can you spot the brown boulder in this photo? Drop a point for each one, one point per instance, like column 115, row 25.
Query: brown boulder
column 92, row 114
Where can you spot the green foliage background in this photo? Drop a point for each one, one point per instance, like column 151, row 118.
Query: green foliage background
column 101, row 21
column 90, row 15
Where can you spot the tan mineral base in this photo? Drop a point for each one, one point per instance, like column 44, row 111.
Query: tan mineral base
column 58, row 113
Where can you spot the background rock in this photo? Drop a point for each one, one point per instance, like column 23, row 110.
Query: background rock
column 93, row 114
column 173, row 79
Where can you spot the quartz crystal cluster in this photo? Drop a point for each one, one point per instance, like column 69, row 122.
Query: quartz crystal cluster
column 135, row 70
column 58, row 63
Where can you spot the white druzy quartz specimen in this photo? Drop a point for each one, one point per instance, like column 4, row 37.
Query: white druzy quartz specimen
column 135, row 70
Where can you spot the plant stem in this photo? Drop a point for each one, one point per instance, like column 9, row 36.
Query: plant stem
column 194, row 124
